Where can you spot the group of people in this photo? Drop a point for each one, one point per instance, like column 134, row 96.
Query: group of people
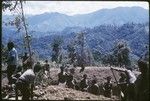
column 133, row 88
column 21, row 78
column 66, row 77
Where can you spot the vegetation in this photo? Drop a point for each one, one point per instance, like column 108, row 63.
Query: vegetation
column 56, row 48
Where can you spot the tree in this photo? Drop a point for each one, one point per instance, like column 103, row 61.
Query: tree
column 121, row 53
column 56, row 48
column 71, row 53
column 19, row 22
column 80, row 41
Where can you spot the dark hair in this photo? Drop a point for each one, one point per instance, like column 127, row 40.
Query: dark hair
column 94, row 81
column 108, row 78
column 142, row 65
column 46, row 60
column 10, row 44
column 84, row 76
column 130, row 69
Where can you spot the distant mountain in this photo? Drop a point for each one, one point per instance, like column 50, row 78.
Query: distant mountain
column 116, row 16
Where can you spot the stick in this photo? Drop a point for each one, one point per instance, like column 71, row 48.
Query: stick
column 122, row 95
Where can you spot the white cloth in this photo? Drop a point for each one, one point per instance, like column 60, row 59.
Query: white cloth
column 13, row 53
column 28, row 76
column 132, row 77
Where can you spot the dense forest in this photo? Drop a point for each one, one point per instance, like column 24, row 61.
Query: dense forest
column 98, row 41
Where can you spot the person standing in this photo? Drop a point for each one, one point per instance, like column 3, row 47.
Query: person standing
column 131, row 78
column 12, row 61
column 142, row 82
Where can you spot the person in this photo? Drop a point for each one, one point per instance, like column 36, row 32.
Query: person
column 46, row 67
column 25, row 83
column 17, row 74
column 61, row 76
column 12, row 61
column 142, row 82
column 70, row 81
column 94, row 88
column 24, row 58
column 123, row 86
column 131, row 78
column 37, row 67
column 108, row 87
column 82, row 68
column 83, row 83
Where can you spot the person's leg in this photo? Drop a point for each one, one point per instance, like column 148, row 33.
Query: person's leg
column 131, row 92
column 25, row 92
column 18, row 86
column 10, row 71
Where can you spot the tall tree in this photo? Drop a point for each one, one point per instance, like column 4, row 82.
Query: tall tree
column 71, row 53
column 56, row 49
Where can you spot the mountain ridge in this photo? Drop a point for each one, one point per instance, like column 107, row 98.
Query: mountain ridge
column 117, row 16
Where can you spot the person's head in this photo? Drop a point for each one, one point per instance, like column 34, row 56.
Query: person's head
column 94, row 82
column 72, row 70
column 84, row 76
column 29, row 64
column 122, row 75
column 46, row 61
column 25, row 53
column 108, row 78
column 19, row 69
column 38, row 63
column 143, row 66
column 10, row 45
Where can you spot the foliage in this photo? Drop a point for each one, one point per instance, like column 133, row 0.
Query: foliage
column 71, row 53
column 100, row 38
column 119, row 55
column 56, row 49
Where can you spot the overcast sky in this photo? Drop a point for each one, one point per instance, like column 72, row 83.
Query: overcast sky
column 76, row 7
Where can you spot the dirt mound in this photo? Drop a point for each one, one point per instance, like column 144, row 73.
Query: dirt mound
column 61, row 93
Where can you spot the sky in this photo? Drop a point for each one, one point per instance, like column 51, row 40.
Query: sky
column 76, row 7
